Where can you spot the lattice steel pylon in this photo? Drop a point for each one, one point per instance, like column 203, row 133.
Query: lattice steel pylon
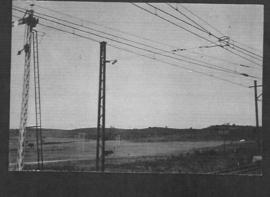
column 30, row 22
column 100, row 149
column 39, row 140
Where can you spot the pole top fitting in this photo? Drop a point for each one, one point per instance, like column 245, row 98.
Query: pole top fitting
column 30, row 19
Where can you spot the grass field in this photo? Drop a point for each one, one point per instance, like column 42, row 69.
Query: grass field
column 64, row 151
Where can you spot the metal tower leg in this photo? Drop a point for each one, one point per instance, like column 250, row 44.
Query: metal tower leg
column 39, row 141
column 25, row 97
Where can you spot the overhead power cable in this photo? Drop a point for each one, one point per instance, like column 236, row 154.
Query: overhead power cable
column 200, row 29
column 176, row 65
column 128, row 33
column 162, row 50
column 142, row 8
column 106, row 27
column 191, row 51
column 221, row 59
column 58, row 29
column 245, row 45
column 147, row 50
column 246, row 53
column 136, row 42
column 92, row 29
column 176, row 9
column 113, row 29
column 250, row 54
column 149, row 57
column 200, row 18
column 243, row 57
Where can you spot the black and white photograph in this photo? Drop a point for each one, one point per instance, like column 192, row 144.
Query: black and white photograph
column 136, row 87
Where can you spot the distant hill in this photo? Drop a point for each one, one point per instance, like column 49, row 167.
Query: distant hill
column 216, row 132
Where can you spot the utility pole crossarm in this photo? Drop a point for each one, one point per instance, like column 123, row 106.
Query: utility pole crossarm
column 256, row 86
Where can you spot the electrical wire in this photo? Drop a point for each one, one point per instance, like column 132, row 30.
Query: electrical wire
column 149, row 57
column 200, row 18
column 176, row 9
column 135, row 42
column 200, row 29
column 187, row 61
column 55, row 28
column 146, row 39
column 245, row 45
column 106, row 27
column 144, row 9
column 251, row 54
column 185, row 68
column 224, row 60
column 119, row 37
column 243, row 57
column 217, row 31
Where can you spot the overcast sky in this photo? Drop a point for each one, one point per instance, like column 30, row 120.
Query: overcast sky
column 140, row 92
